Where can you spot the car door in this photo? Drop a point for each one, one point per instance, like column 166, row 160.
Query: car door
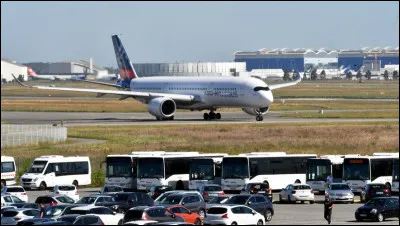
column 248, row 215
column 252, row 203
column 189, row 217
column 263, row 203
column 389, row 208
column 186, row 202
column 238, row 216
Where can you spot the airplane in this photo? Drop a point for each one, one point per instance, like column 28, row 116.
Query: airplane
column 164, row 95
column 32, row 74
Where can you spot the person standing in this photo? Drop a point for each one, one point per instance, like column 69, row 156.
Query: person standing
column 328, row 206
column 41, row 210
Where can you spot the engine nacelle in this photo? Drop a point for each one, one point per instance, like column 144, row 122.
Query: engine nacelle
column 256, row 111
column 162, row 107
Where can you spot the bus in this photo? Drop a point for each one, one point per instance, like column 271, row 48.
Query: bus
column 50, row 170
column 378, row 168
column 318, row 170
column 8, row 169
column 278, row 169
column 167, row 169
column 395, row 177
column 205, row 170
column 121, row 170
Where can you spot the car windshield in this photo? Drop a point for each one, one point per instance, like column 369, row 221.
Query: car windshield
column 340, row 187
column 240, row 200
column 375, row 202
column 172, row 199
column 66, row 188
column 212, row 188
column 65, row 199
column 217, row 210
column 121, row 197
column 218, row 200
column 37, row 167
column 14, row 189
column 87, row 200
column 302, row 187
column 163, row 188
column 53, row 211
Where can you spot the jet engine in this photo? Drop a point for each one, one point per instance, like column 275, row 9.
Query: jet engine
column 162, row 107
column 256, row 111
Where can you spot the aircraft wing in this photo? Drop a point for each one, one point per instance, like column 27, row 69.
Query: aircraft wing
column 278, row 86
column 99, row 83
column 123, row 94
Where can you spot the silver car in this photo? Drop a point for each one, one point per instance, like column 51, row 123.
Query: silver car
column 340, row 192
column 12, row 217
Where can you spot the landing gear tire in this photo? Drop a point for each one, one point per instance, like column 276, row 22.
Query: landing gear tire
column 212, row 115
column 259, row 118
column 218, row 116
column 206, row 116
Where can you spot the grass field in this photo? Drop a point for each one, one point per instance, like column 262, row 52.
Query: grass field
column 374, row 114
column 343, row 89
column 131, row 105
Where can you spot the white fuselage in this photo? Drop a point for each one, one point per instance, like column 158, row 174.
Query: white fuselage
column 209, row 92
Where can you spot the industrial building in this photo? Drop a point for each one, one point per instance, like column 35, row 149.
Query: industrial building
column 9, row 67
column 302, row 59
column 190, row 69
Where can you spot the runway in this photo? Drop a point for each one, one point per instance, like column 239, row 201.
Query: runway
column 187, row 118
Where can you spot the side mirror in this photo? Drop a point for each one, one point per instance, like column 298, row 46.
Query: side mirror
column 183, row 203
column 190, row 212
column 254, row 212
column 173, row 216
column 250, row 202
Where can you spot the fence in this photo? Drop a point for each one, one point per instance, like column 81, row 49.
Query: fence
column 17, row 135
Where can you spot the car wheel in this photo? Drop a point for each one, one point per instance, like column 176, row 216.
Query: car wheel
column 358, row 219
column 379, row 218
column 120, row 222
column 42, row 186
column 121, row 211
column 197, row 222
column 202, row 214
column 288, row 199
column 234, row 223
column 260, row 222
column 280, row 199
column 311, row 202
column 268, row 215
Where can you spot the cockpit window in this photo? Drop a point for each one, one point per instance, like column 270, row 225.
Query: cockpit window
column 258, row 88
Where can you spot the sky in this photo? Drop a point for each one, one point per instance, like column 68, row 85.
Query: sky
column 158, row 32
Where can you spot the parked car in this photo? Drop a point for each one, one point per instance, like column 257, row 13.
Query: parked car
column 297, row 192
column 5, row 208
column 34, row 221
column 173, row 223
column 372, row 190
column 216, row 201
column 156, row 213
column 70, row 218
column 165, row 194
column 379, row 209
column 192, row 201
column 259, row 203
column 68, row 190
column 340, row 192
column 141, row 222
column 123, row 201
column 106, row 215
column 31, row 205
column 57, row 211
column 186, row 214
column 7, row 200
column 52, row 200
column 109, row 189
column 12, row 217
column 233, row 215
column 53, row 223
column 16, row 191
column 96, row 199
column 258, row 188
column 157, row 190
column 88, row 220
column 209, row 191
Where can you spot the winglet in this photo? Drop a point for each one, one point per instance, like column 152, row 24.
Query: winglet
column 19, row 82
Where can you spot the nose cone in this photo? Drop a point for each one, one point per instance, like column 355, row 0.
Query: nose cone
column 267, row 97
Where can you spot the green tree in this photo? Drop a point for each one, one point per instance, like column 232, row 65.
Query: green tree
column 349, row 75
column 21, row 78
column 286, row 75
column 395, row 75
column 386, row 75
column 368, row 75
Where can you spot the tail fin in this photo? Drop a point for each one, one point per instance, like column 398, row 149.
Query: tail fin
column 126, row 70
column 31, row 72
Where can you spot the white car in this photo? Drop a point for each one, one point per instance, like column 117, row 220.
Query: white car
column 340, row 192
column 92, row 200
column 7, row 200
column 15, row 190
column 111, row 189
column 108, row 216
column 297, row 192
column 68, row 190
column 12, row 217
column 141, row 222
column 233, row 215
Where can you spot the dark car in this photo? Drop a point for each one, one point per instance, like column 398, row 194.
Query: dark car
column 157, row 190
column 123, row 201
column 379, row 209
column 33, row 221
column 191, row 200
column 374, row 190
column 258, row 188
column 156, row 213
column 209, row 191
column 88, row 220
column 70, row 218
column 259, row 203
column 57, row 211
column 51, row 200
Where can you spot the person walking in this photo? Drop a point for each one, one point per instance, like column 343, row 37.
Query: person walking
column 328, row 206
column 41, row 210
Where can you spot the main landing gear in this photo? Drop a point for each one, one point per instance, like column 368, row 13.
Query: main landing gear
column 211, row 116
column 259, row 118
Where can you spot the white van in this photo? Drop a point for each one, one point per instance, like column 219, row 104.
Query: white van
column 7, row 171
column 51, row 170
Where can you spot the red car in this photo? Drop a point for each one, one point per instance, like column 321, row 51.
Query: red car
column 186, row 214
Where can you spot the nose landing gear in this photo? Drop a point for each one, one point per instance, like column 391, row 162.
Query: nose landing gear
column 259, row 118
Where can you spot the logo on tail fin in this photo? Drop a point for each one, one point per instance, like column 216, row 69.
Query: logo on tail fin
column 126, row 70
column 31, row 72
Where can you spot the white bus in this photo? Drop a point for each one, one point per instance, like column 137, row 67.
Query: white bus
column 318, row 170
column 205, row 170
column 51, row 170
column 167, row 169
column 395, row 179
column 275, row 168
column 121, row 170
column 358, row 171
column 7, row 171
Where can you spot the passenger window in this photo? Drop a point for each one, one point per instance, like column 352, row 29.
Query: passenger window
column 236, row 210
column 252, row 199
column 96, row 211
column 260, row 199
column 16, row 199
column 183, row 210
column 90, row 220
column 101, row 199
column 186, row 200
column 107, row 211
column 176, row 210
column 7, row 198
column 193, row 199
column 389, row 203
column 80, row 222
column 247, row 210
